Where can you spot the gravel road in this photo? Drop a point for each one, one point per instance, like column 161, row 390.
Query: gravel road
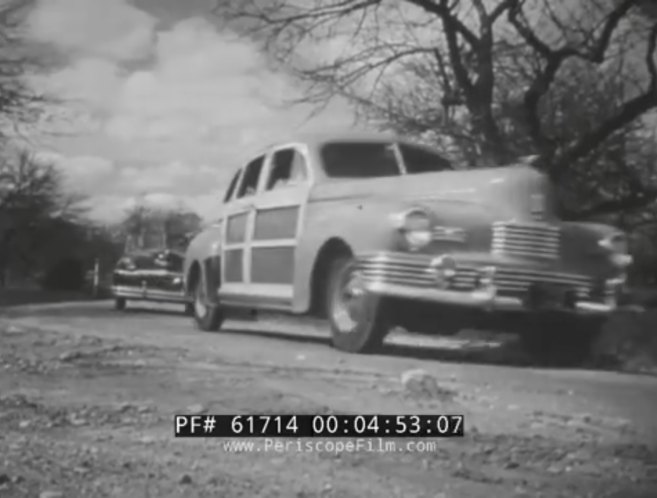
column 87, row 396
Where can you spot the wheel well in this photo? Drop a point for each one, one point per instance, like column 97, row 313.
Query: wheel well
column 330, row 251
column 192, row 277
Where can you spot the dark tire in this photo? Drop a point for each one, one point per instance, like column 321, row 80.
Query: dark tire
column 208, row 316
column 120, row 303
column 357, row 319
column 565, row 341
column 189, row 309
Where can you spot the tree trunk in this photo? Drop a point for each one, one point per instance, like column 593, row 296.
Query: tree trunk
column 493, row 146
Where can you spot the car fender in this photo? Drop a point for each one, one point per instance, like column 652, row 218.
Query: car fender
column 360, row 224
column 204, row 247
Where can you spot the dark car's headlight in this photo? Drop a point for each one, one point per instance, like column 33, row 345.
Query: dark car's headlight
column 415, row 226
column 126, row 264
column 617, row 246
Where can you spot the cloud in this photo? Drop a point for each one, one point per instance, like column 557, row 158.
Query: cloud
column 171, row 109
column 108, row 29
column 205, row 85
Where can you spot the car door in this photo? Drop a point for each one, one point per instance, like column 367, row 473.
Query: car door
column 237, row 218
column 279, row 211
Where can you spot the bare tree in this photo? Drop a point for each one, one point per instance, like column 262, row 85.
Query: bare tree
column 170, row 227
column 32, row 198
column 18, row 103
column 490, row 78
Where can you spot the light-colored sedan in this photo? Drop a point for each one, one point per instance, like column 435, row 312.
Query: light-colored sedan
column 375, row 232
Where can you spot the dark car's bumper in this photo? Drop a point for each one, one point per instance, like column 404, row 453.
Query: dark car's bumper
column 149, row 286
column 413, row 277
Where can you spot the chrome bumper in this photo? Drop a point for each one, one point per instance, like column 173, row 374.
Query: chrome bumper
column 487, row 300
column 146, row 294
column 412, row 277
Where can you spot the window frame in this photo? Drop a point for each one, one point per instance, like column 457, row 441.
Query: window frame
column 232, row 186
column 272, row 165
column 262, row 158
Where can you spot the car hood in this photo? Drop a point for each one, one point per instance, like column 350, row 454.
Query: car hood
column 502, row 193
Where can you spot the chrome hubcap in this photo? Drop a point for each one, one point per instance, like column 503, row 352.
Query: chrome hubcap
column 199, row 304
column 349, row 303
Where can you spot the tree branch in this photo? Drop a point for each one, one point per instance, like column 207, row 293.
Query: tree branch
column 629, row 111
column 444, row 12
column 500, row 9
column 597, row 53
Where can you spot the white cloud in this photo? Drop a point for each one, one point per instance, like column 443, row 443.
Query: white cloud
column 203, row 83
column 167, row 112
column 91, row 81
column 89, row 174
column 111, row 29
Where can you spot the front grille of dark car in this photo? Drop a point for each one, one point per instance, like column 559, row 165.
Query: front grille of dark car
column 526, row 240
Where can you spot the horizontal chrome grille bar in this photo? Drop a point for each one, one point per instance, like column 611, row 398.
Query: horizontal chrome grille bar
column 396, row 270
column 527, row 240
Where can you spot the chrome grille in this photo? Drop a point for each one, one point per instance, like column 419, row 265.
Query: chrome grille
column 527, row 240
column 518, row 280
column 396, row 269
column 413, row 270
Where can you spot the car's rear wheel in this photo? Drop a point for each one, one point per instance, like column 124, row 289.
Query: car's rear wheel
column 558, row 340
column 120, row 303
column 189, row 309
column 357, row 318
column 208, row 316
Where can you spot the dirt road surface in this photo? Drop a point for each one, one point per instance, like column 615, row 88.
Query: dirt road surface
column 87, row 397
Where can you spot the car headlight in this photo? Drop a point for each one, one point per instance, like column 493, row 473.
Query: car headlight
column 127, row 263
column 415, row 226
column 618, row 248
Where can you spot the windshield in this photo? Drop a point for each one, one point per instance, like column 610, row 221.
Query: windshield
column 359, row 159
column 145, row 241
column 378, row 159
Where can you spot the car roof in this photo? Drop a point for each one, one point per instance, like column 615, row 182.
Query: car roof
column 318, row 138
column 315, row 139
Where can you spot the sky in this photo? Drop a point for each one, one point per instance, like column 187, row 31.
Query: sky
column 162, row 105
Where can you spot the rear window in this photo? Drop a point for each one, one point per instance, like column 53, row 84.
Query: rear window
column 359, row 159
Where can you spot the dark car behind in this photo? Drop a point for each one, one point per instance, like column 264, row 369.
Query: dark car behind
column 149, row 275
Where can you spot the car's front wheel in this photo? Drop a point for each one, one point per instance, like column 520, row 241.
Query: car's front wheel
column 208, row 316
column 358, row 318
column 120, row 303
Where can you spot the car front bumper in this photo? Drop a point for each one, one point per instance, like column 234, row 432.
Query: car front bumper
column 148, row 294
column 412, row 277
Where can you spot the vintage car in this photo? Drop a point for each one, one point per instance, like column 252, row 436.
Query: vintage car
column 150, row 274
column 375, row 232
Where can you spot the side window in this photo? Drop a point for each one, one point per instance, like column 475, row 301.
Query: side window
column 420, row 160
column 288, row 168
column 231, row 188
column 250, row 178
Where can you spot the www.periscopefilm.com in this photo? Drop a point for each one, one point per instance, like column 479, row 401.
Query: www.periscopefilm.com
column 375, row 445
